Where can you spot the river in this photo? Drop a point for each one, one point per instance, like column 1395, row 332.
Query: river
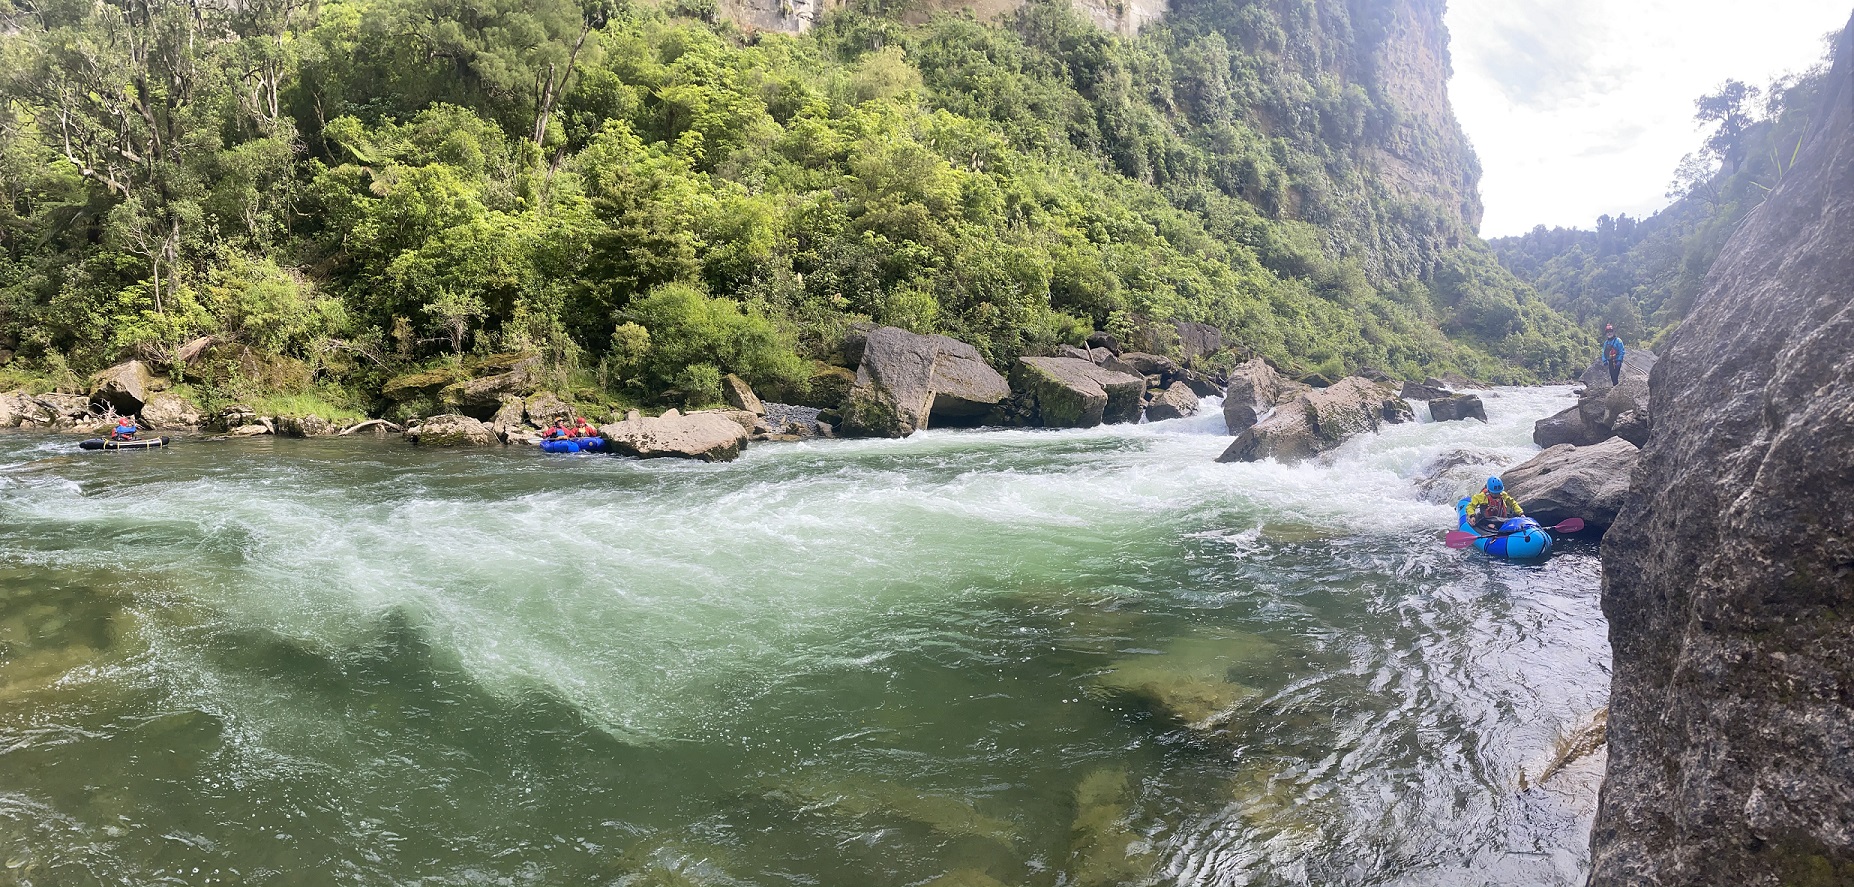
column 840, row 663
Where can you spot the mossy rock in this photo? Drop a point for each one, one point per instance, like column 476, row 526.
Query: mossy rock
column 424, row 384
column 1104, row 851
column 858, row 797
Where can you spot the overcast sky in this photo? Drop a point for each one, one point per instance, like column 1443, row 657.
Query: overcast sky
column 1584, row 107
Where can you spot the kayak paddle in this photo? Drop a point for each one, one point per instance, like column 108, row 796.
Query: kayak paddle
column 1461, row 539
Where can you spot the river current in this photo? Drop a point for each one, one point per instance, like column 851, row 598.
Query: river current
column 964, row 659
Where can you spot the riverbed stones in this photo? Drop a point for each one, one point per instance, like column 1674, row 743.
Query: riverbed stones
column 124, row 387
column 1728, row 579
column 168, row 410
column 704, row 436
column 1565, row 481
column 1457, row 407
column 1062, row 392
column 906, row 382
column 1319, row 421
column 1175, row 402
column 451, row 430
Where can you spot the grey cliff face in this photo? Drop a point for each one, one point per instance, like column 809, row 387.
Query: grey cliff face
column 1729, row 577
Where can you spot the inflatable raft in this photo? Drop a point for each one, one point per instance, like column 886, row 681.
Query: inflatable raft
column 1519, row 537
column 574, row 445
column 98, row 443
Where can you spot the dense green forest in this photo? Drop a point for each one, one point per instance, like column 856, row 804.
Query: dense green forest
column 343, row 192
column 1642, row 275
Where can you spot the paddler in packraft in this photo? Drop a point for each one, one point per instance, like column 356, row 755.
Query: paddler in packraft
column 125, row 429
column 1491, row 507
column 1612, row 355
column 582, row 428
column 559, row 431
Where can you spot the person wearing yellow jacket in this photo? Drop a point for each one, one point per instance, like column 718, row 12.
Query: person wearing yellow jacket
column 1492, row 506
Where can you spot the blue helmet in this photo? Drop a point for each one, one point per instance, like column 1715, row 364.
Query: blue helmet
column 1495, row 486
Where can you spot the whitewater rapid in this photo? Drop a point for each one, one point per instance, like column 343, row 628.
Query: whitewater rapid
column 502, row 659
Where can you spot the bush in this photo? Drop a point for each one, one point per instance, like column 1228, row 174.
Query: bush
column 686, row 327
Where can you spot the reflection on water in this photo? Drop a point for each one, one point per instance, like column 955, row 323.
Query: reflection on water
column 1077, row 658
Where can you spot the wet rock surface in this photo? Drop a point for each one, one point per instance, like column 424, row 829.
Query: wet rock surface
column 1175, row 402
column 1566, row 481
column 1319, row 421
column 1457, row 407
column 1254, row 389
column 1728, row 579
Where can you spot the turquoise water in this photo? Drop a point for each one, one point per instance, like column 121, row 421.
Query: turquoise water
column 964, row 658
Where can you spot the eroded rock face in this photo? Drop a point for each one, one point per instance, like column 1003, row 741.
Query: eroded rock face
column 905, row 381
column 449, row 430
column 708, row 436
column 1319, row 421
column 1566, row 481
column 1728, row 579
column 1062, row 392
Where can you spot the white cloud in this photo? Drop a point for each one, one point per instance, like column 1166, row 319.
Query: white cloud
column 1583, row 107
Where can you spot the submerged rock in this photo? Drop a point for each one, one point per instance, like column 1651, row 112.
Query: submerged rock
column 709, row 437
column 1062, row 392
column 1566, row 481
column 1189, row 682
column 450, row 430
column 1728, row 580
column 905, row 382
column 1319, row 421
column 1104, row 850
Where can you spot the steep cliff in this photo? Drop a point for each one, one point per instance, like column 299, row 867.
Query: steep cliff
column 1729, row 579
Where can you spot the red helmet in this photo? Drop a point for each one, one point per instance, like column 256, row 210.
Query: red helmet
column 1609, row 328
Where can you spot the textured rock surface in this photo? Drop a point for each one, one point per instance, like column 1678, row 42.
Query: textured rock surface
column 1175, row 402
column 1319, row 421
column 1729, row 578
column 904, row 381
column 448, row 431
column 1566, row 481
column 1603, row 412
column 738, row 394
column 123, row 387
column 1062, row 392
column 1253, row 390
column 1422, row 391
column 170, row 411
column 1457, row 407
column 707, row 436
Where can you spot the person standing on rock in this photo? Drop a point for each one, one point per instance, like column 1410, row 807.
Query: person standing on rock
column 1612, row 354
column 1493, row 506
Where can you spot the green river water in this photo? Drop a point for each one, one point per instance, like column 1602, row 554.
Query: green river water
column 959, row 659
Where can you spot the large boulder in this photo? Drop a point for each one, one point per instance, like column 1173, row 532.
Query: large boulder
column 1198, row 339
column 450, row 430
column 1728, row 579
column 1062, row 392
column 1319, row 421
column 15, row 409
column 506, row 375
column 1175, row 402
column 707, row 436
column 124, row 387
column 1601, row 408
column 61, row 410
column 543, row 410
column 167, row 410
column 1566, row 481
column 1424, row 391
column 1151, row 365
column 736, row 393
column 311, row 425
column 1254, row 389
column 1457, row 407
column 906, row 382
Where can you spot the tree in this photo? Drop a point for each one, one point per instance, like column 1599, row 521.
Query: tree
column 1731, row 109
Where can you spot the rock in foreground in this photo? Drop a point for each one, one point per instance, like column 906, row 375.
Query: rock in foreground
column 1728, row 580
column 1566, row 481
column 709, row 436
column 1254, row 389
column 1319, row 421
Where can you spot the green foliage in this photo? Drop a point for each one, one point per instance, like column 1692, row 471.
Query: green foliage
column 341, row 193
